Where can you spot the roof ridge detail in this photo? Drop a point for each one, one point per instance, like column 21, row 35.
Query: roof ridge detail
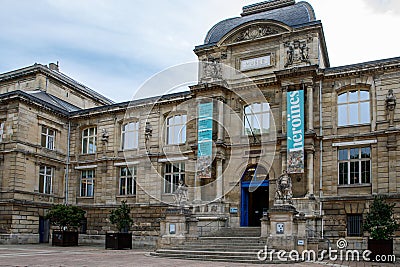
column 266, row 6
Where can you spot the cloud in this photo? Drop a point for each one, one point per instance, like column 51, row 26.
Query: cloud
column 114, row 46
column 384, row 6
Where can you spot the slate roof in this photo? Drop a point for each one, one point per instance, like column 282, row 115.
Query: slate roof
column 294, row 15
column 55, row 101
column 60, row 77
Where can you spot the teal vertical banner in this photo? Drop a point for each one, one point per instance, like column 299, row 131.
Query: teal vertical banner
column 295, row 131
column 204, row 140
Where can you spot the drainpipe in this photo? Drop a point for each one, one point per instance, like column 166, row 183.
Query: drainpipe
column 320, row 157
column 67, row 167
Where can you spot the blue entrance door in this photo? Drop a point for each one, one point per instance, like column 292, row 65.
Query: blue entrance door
column 254, row 201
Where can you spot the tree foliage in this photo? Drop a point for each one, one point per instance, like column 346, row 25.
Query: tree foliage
column 121, row 217
column 66, row 217
column 379, row 221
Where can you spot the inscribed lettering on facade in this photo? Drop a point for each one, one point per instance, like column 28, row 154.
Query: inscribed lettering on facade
column 295, row 131
column 204, row 140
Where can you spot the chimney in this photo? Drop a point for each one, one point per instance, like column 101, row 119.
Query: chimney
column 54, row 66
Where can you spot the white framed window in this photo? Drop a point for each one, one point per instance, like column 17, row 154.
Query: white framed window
column 257, row 118
column 176, row 129
column 127, row 181
column 87, row 183
column 130, row 135
column 353, row 107
column 45, row 179
column 89, row 139
column 47, row 138
column 173, row 173
column 354, row 165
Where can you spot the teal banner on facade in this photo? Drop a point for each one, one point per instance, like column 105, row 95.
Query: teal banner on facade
column 204, row 139
column 295, row 131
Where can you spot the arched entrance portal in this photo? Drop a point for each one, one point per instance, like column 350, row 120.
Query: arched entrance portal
column 254, row 195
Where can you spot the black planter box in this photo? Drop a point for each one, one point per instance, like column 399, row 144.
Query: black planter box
column 381, row 248
column 119, row 240
column 65, row 238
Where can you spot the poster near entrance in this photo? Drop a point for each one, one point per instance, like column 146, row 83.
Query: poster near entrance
column 204, row 139
column 295, row 131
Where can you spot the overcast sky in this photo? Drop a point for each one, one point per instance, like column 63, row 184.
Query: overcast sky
column 114, row 46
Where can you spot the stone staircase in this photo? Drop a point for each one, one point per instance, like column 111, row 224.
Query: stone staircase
column 228, row 244
column 236, row 232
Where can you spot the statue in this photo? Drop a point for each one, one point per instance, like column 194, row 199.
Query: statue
column 390, row 106
column 284, row 188
column 148, row 132
column 104, row 136
column 181, row 193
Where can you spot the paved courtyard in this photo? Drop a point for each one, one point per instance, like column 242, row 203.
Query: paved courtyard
column 46, row 255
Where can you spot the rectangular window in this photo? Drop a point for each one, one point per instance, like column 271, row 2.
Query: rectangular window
column 173, row 173
column 87, row 183
column 176, row 129
column 353, row 108
column 354, row 166
column 89, row 139
column 127, row 181
column 45, row 179
column 257, row 118
column 354, row 225
column 130, row 135
column 47, row 138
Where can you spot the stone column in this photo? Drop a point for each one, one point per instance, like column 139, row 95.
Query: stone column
column 220, row 180
column 284, row 159
column 310, row 173
column 197, row 190
column 220, row 136
column 310, row 108
column 283, row 109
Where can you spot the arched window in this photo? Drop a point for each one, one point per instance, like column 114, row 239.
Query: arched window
column 257, row 118
column 130, row 135
column 353, row 108
column 255, row 173
column 176, row 129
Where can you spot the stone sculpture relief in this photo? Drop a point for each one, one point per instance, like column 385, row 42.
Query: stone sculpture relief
column 296, row 52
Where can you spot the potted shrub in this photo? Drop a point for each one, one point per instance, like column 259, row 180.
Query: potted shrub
column 381, row 226
column 68, row 219
column 122, row 220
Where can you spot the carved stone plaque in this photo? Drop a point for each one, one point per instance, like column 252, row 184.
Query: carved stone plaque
column 255, row 63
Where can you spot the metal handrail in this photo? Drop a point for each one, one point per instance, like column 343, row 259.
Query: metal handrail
column 318, row 234
column 208, row 225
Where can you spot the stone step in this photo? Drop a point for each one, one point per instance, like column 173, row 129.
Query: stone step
column 207, row 258
column 236, row 245
column 219, row 248
column 245, row 257
column 230, row 239
column 236, row 232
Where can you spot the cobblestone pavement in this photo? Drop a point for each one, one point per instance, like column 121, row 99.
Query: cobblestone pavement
column 46, row 255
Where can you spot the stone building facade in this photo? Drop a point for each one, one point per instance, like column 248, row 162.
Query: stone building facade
column 62, row 142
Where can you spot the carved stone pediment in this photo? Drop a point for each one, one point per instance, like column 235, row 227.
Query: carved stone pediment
column 253, row 32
